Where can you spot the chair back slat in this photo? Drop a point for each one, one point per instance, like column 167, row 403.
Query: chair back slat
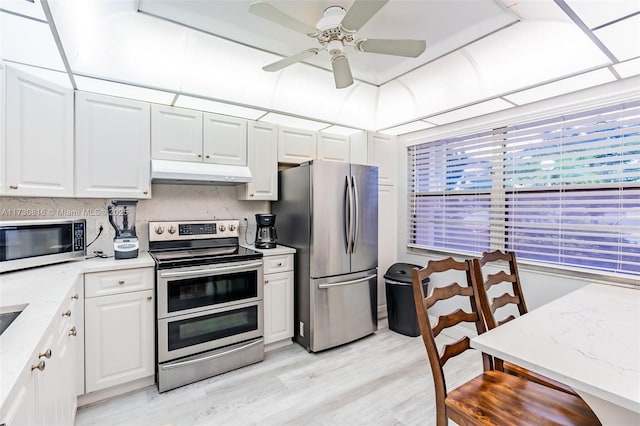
column 506, row 320
column 454, row 349
column 499, row 278
column 452, row 319
column 504, row 300
column 443, row 293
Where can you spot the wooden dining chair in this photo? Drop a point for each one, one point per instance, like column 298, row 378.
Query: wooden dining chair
column 493, row 397
column 510, row 301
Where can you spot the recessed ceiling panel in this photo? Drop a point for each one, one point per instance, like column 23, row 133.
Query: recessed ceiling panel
column 407, row 128
column 622, row 38
column 629, row 68
column 596, row 13
column 471, row 111
column 445, row 25
column 27, row 41
column 567, row 85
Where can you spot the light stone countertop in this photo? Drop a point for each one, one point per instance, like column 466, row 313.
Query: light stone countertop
column 279, row 250
column 44, row 290
column 588, row 339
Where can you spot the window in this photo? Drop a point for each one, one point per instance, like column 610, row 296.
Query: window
column 563, row 190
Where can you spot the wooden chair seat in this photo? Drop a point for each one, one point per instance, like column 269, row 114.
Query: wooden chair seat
column 516, row 370
column 497, row 398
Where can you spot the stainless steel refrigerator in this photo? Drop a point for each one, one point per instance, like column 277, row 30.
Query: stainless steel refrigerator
column 328, row 211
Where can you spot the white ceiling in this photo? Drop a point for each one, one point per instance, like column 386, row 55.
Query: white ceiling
column 445, row 25
column 214, row 57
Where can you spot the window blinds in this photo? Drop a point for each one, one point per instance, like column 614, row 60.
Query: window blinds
column 563, row 190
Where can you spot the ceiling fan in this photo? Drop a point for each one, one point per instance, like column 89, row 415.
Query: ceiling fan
column 334, row 31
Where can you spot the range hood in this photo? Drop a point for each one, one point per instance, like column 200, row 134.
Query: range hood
column 165, row 171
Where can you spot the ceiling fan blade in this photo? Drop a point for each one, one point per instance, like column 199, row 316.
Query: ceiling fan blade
column 341, row 71
column 273, row 14
column 409, row 48
column 282, row 63
column 360, row 13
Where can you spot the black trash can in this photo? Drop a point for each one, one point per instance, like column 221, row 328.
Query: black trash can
column 401, row 308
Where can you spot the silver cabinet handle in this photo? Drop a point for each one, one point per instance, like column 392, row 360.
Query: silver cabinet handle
column 209, row 270
column 342, row 283
column 66, row 314
column 39, row 366
column 13, row 186
column 75, row 297
column 121, row 282
column 46, row 354
column 210, row 357
column 73, row 331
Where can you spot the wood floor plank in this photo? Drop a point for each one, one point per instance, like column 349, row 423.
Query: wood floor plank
column 383, row 379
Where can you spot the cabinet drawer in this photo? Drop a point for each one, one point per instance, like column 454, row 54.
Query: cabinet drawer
column 114, row 282
column 281, row 263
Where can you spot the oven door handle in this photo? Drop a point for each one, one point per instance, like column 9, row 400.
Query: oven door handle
column 210, row 270
column 210, row 357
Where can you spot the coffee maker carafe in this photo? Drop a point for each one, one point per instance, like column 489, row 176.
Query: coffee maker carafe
column 266, row 235
column 122, row 216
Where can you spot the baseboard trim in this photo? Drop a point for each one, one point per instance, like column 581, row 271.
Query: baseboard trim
column 91, row 397
column 277, row 345
column 382, row 311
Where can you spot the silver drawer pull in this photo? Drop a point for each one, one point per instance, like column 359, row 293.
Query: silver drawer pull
column 121, row 282
column 46, row 354
column 39, row 366
column 73, row 331
column 74, row 297
column 66, row 314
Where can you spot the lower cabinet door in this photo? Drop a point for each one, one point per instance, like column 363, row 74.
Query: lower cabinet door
column 119, row 339
column 278, row 307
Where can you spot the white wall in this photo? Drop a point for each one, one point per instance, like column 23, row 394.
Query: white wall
column 168, row 202
column 540, row 286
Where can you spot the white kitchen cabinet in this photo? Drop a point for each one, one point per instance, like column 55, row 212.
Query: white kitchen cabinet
column 278, row 298
column 112, row 147
column 358, row 148
column 333, row 147
column 39, row 137
column 224, row 140
column 296, row 145
column 47, row 392
column 383, row 152
column 119, row 329
column 176, row 134
column 3, row 139
column 262, row 159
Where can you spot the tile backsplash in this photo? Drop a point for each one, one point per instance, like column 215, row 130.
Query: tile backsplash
column 168, row 202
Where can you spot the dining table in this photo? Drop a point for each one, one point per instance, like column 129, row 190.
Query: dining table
column 588, row 339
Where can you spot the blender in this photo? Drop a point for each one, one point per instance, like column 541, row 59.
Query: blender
column 122, row 216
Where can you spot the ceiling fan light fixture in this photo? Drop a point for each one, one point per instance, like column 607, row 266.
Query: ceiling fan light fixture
column 335, row 48
column 331, row 18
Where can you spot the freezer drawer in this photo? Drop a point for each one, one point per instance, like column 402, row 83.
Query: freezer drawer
column 343, row 309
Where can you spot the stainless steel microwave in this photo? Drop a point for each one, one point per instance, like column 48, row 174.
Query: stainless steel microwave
column 29, row 243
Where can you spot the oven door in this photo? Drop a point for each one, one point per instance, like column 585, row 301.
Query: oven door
column 185, row 335
column 198, row 288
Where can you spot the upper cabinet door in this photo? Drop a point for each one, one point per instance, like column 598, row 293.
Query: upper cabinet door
column 295, row 145
column 39, row 137
column 333, row 147
column 225, row 140
column 383, row 152
column 262, row 159
column 112, row 147
column 176, row 134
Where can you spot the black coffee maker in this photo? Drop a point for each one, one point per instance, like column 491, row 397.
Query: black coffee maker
column 266, row 235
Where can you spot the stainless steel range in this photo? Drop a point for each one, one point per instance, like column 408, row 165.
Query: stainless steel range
column 209, row 300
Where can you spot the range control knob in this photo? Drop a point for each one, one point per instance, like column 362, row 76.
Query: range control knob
column 159, row 229
column 222, row 228
column 172, row 229
column 232, row 228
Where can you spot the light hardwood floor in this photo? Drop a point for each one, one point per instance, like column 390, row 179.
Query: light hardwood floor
column 383, row 379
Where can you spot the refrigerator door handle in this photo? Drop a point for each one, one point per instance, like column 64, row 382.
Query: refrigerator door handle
column 347, row 215
column 356, row 213
column 343, row 283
